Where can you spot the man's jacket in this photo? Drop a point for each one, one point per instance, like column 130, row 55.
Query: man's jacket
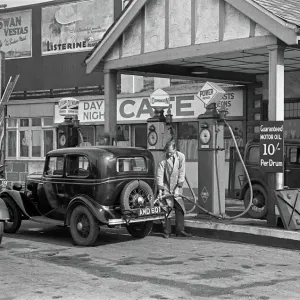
column 170, row 176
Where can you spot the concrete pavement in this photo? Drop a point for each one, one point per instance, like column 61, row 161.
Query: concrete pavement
column 39, row 262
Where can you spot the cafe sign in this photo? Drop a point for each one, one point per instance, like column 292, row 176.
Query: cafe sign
column 139, row 109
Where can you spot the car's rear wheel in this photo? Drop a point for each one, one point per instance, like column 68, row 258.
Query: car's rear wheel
column 140, row 230
column 15, row 216
column 259, row 208
column 136, row 194
column 84, row 228
column 1, row 231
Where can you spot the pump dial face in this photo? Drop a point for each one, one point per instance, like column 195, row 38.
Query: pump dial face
column 152, row 138
column 62, row 140
column 205, row 136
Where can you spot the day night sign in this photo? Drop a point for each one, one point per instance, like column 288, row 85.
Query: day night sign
column 271, row 146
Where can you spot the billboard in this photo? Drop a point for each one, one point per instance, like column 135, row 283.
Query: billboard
column 16, row 34
column 75, row 26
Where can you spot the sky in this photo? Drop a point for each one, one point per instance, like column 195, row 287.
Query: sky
column 14, row 3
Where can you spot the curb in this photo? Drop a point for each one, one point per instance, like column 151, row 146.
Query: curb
column 263, row 236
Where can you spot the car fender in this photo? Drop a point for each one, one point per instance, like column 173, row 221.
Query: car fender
column 17, row 198
column 99, row 212
column 253, row 181
column 4, row 214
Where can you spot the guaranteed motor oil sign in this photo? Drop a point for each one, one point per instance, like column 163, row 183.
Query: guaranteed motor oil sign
column 271, row 146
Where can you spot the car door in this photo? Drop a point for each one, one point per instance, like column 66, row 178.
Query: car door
column 51, row 192
column 79, row 179
column 292, row 168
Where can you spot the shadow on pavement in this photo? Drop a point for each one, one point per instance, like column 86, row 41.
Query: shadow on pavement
column 61, row 236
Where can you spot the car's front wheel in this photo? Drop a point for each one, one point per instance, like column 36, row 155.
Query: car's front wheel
column 1, row 231
column 84, row 228
column 259, row 208
column 140, row 230
column 15, row 216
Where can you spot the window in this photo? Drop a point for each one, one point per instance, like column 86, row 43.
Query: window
column 11, row 143
column 12, row 123
column 55, row 166
column 88, row 135
column 99, row 134
column 48, row 141
column 253, row 155
column 123, row 135
column 291, row 129
column 188, row 139
column 131, row 164
column 78, row 166
column 29, row 137
column 140, row 135
column 292, row 110
column 294, row 155
column 237, row 128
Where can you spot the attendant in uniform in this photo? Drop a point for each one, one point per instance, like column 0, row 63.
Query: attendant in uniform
column 170, row 177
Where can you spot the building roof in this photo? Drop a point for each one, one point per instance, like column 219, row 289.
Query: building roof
column 270, row 14
column 288, row 10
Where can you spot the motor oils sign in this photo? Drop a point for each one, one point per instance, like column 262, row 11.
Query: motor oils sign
column 271, row 146
column 68, row 106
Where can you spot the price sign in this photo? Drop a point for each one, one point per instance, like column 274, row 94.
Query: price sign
column 271, row 146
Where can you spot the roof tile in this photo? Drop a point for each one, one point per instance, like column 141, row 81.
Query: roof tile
column 288, row 10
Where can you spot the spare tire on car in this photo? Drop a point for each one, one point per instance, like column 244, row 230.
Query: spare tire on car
column 136, row 194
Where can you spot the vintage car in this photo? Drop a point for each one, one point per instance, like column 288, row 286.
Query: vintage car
column 4, row 217
column 86, row 187
column 259, row 178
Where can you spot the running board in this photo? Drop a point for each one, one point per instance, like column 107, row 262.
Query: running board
column 45, row 220
column 129, row 221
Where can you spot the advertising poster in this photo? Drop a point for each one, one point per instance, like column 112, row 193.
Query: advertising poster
column 15, row 34
column 76, row 26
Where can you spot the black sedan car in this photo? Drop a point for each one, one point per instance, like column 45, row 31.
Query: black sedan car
column 86, row 187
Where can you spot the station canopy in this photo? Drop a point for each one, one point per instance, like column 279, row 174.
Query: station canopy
column 227, row 40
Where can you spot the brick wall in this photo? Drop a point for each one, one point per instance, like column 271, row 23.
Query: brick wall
column 16, row 171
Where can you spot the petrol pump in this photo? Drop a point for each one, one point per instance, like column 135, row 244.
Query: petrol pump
column 211, row 154
column 68, row 131
column 158, row 129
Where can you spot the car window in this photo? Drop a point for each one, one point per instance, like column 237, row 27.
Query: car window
column 253, row 155
column 294, row 157
column 55, row 166
column 78, row 166
column 131, row 164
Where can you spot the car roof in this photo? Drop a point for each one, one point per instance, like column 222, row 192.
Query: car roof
column 96, row 150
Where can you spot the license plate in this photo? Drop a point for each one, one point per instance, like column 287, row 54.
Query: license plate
column 149, row 211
